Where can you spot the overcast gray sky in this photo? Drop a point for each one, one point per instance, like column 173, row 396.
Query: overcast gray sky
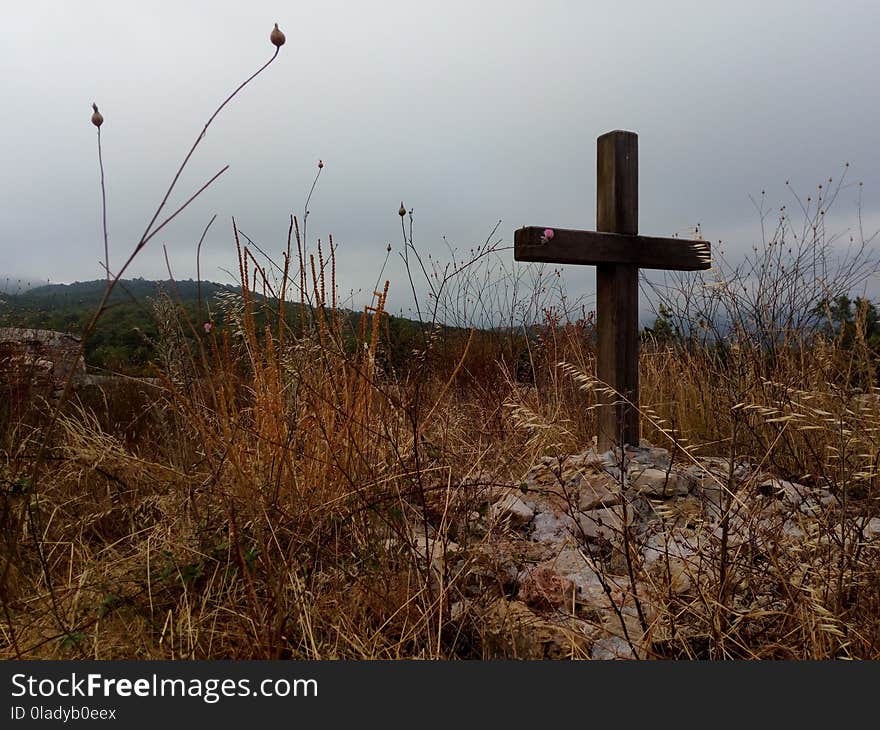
column 469, row 112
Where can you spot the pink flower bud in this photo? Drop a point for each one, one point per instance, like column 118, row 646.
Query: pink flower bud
column 548, row 234
column 208, row 327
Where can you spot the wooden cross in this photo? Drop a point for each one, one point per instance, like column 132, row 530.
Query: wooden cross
column 618, row 252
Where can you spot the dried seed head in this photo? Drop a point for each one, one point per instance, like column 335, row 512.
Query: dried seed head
column 402, row 211
column 388, row 248
column 277, row 37
column 97, row 117
column 320, row 164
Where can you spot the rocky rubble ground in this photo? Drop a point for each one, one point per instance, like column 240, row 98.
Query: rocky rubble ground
column 619, row 555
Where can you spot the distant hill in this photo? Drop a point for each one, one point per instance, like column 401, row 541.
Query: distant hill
column 123, row 340
column 89, row 293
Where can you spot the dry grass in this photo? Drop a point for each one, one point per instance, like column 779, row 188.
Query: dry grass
column 301, row 490
column 283, row 495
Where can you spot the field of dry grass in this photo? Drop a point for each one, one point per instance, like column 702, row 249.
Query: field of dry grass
column 304, row 489
column 282, row 492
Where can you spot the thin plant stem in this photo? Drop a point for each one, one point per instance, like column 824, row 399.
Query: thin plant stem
column 149, row 232
column 104, row 210
column 306, row 206
column 198, row 265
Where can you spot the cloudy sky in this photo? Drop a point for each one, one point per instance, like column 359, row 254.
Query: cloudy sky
column 468, row 112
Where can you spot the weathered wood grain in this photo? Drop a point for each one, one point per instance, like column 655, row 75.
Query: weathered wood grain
column 618, row 252
column 617, row 289
column 594, row 248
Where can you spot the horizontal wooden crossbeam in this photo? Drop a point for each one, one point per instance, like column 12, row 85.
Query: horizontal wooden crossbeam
column 594, row 248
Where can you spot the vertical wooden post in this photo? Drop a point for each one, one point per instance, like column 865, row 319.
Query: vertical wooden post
column 617, row 289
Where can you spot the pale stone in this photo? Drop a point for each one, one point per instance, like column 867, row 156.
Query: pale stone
column 793, row 531
column 650, row 456
column 626, row 626
column 571, row 561
column 512, row 509
column 659, row 483
column 574, row 566
column 550, row 527
column 870, row 531
column 611, row 647
column 797, row 496
column 604, row 523
column 587, row 460
column 673, row 558
column 437, row 551
column 594, row 493
column 661, row 544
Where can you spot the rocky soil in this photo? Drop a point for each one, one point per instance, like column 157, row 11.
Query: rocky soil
column 637, row 554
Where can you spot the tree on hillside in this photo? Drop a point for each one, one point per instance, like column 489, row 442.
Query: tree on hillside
column 843, row 317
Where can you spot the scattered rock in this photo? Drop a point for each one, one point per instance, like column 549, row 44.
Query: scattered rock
column 36, row 362
column 437, row 552
column 574, row 577
column 673, row 560
column 650, row 456
column 678, row 544
column 626, row 625
column 578, row 574
column 793, row 531
column 605, row 523
column 513, row 510
column 595, row 492
column 659, row 483
column 612, row 647
column 549, row 527
column 807, row 500
column 588, row 459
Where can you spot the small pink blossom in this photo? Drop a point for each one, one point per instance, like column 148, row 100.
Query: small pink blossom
column 548, row 234
column 208, row 327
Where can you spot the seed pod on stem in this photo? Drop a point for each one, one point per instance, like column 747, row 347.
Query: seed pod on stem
column 277, row 37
